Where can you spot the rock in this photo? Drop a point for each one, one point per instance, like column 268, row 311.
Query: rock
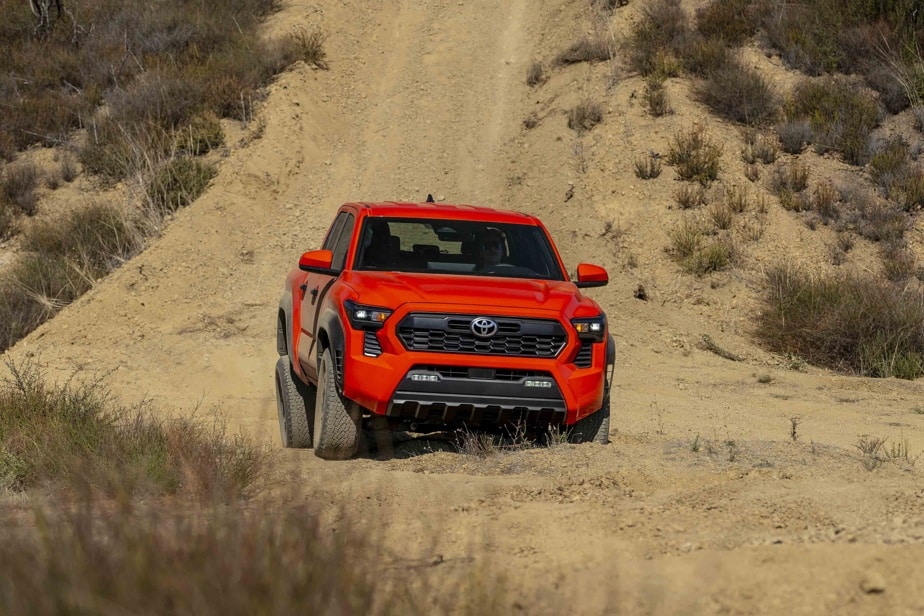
column 873, row 583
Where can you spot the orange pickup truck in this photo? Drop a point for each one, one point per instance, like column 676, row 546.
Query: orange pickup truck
column 428, row 317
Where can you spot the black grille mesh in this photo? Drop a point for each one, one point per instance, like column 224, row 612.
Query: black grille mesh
column 517, row 337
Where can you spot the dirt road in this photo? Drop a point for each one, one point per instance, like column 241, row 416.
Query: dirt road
column 729, row 487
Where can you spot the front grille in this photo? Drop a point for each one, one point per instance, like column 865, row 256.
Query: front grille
column 371, row 346
column 453, row 334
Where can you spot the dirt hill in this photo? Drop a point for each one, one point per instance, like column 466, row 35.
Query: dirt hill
column 730, row 486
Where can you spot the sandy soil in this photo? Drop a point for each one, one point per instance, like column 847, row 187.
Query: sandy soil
column 703, row 502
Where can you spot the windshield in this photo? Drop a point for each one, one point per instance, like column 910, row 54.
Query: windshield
column 456, row 247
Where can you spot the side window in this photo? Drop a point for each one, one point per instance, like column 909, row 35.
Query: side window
column 334, row 232
column 342, row 244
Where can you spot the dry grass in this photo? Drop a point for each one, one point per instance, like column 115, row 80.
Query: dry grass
column 586, row 49
column 848, row 322
column 59, row 262
column 74, row 438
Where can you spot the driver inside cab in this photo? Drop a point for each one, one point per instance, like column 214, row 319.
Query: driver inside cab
column 492, row 248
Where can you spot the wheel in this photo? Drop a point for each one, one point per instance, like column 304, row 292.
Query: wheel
column 336, row 421
column 295, row 406
column 595, row 428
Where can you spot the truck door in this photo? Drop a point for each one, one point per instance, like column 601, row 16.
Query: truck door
column 316, row 287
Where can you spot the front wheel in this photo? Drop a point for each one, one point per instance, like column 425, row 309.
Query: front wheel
column 294, row 405
column 595, row 428
column 336, row 420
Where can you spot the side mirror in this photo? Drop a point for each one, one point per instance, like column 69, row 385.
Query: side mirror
column 318, row 261
column 589, row 275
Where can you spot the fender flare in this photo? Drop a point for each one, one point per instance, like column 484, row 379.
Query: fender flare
column 610, row 366
column 331, row 335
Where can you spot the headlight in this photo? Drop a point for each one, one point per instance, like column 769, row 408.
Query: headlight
column 366, row 317
column 592, row 329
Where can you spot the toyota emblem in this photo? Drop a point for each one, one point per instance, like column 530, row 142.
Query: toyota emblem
column 484, row 327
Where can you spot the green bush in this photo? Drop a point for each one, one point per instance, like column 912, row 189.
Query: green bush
column 848, row 322
column 695, row 156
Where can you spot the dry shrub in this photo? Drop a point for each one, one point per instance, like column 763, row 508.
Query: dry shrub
column 701, row 55
column 661, row 33
column 825, row 198
column 721, row 215
column 872, row 219
column 899, row 263
column 647, row 167
column 656, row 98
column 794, row 135
column 586, row 49
column 736, row 199
column 738, row 93
column 201, row 136
column 907, row 192
column 686, row 239
column 536, row 75
column 848, row 322
column 695, row 156
column 917, row 115
column 805, row 43
column 585, row 116
column 7, row 218
column 889, row 160
column 116, row 151
column 841, row 115
column 19, row 183
column 689, row 196
column 790, row 177
column 759, row 148
column 308, row 46
column 728, row 21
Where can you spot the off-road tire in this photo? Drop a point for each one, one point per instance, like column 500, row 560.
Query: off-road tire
column 595, row 428
column 336, row 421
column 294, row 405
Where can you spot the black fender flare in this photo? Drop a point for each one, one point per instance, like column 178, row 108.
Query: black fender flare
column 610, row 361
column 331, row 335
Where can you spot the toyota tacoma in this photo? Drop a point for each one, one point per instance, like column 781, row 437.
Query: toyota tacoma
column 429, row 317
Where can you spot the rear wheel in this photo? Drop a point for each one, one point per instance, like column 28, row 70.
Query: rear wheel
column 294, row 405
column 336, row 420
column 595, row 428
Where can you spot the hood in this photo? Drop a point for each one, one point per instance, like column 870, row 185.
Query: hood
column 393, row 289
